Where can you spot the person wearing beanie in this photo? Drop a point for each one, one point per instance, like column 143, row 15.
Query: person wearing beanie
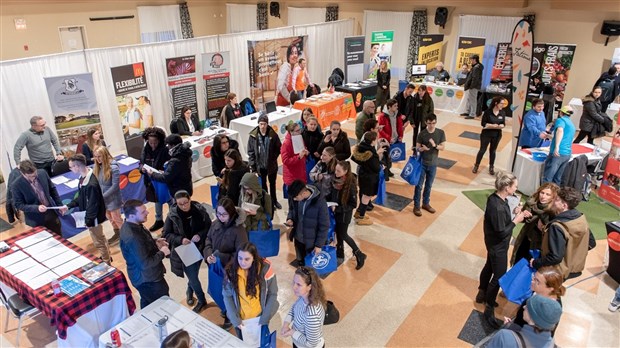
column 541, row 314
column 561, row 146
column 263, row 152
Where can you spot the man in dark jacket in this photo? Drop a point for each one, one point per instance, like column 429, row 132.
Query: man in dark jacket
column 11, row 212
column 405, row 101
column 89, row 199
column 473, row 84
column 187, row 222
column 154, row 154
column 610, row 82
column 178, row 173
column 263, row 152
column 309, row 219
column 565, row 238
column 32, row 192
column 143, row 254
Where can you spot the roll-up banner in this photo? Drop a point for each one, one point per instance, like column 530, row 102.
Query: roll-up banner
column 380, row 49
column 556, row 68
column 132, row 98
column 467, row 47
column 216, row 74
column 354, row 58
column 181, row 73
column 430, row 52
column 502, row 67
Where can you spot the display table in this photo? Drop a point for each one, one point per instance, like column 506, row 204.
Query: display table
column 575, row 103
column 140, row 329
column 530, row 172
column 277, row 120
column 613, row 240
column 362, row 91
column 201, row 150
column 131, row 183
column 445, row 97
column 36, row 258
column 328, row 107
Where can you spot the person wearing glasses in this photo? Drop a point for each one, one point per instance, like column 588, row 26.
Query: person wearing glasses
column 187, row 222
column 429, row 142
column 226, row 234
column 304, row 322
column 293, row 164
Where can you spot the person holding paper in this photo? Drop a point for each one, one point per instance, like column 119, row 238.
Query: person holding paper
column 187, row 222
column 294, row 155
column 90, row 199
column 178, row 172
column 33, row 192
column 250, row 294
column 263, row 152
column 108, row 174
column 154, row 154
column 253, row 193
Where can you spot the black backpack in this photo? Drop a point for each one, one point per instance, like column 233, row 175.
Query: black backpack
column 607, row 87
column 174, row 129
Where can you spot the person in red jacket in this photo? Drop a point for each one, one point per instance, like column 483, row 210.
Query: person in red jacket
column 391, row 129
column 293, row 164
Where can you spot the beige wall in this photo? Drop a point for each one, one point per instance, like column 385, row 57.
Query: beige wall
column 580, row 25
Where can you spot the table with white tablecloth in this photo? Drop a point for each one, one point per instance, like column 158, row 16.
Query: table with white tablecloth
column 277, row 120
column 575, row 103
column 201, row 150
column 530, row 172
column 445, row 97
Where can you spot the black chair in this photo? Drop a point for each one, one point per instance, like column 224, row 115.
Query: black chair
column 60, row 167
column 19, row 309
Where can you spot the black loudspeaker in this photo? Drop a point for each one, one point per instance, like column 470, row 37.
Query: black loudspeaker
column 441, row 16
column 610, row 28
column 274, row 9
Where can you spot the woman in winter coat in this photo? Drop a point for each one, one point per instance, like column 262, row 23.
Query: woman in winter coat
column 108, row 174
column 323, row 172
column 225, row 236
column 187, row 222
column 338, row 139
column 250, row 292
column 221, row 144
column 592, row 115
column 155, row 154
column 293, row 165
column 234, row 171
column 252, row 192
column 178, row 172
column 312, row 138
column 344, row 192
column 368, row 161
column 422, row 107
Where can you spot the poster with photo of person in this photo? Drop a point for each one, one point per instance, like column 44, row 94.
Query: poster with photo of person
column 380, row 49
column 181, row 72
column 132, row 98
column 216, row 74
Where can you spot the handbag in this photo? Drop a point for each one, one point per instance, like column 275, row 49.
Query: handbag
column 310, row 163
column 332, row 314
column 413, row 170
column 397, row 152
column 215, row 283
column 215, row 191
column 381, row 193
column 324, row 262
column 161, row 191
column 516, row 283
column 267, row 241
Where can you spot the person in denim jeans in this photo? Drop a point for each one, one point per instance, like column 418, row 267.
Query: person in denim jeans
column 429, row 142
column 560, row 150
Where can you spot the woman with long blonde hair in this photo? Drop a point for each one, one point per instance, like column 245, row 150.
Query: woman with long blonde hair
column 108, row 174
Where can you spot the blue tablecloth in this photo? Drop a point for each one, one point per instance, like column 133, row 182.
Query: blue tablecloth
column 132, row 187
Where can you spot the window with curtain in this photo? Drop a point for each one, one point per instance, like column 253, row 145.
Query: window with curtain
column 495, row 29
column 305, row 15
column 159, row 23
column 400, row 22
column 240, row 18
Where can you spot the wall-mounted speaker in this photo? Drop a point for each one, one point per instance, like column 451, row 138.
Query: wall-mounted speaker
column 441, row 16
column 610, row 28
column 274, row 9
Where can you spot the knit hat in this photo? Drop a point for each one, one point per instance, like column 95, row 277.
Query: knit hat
column 263, row 118
column 545, row 312
column 566, row 110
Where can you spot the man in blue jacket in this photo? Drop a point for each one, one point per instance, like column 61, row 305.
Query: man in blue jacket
column 534, row 126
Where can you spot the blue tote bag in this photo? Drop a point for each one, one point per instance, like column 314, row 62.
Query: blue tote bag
column 397, row 152
column 216, row 281
column 215, row 191
column 413, row 170
column 381, row 193
column 325, row 261
column 310, row 163
column 516, row 283
column 267, row 241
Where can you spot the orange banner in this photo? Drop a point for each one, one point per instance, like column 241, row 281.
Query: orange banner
column 327, row 107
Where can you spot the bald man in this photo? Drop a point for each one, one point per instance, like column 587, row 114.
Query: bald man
column 439, row 73
column 367, row 113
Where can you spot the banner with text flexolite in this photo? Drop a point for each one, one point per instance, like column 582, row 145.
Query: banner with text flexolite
column 74, row 106
column 216, row 73
column 380, row 49
column 430, row 51
column 467, row 47
column 354, row 58
column 130, row 89
column 181, row 73
column 556, row 68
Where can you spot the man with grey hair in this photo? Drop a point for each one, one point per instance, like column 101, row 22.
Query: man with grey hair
column 439, row 73
column 367, row 113
column 39, row 140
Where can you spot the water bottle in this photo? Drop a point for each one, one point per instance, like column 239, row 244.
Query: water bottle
column 163, row 330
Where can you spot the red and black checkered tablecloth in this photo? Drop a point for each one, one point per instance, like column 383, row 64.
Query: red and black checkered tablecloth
column 62, row 309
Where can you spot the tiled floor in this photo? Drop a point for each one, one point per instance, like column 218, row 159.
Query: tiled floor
column 421, row 274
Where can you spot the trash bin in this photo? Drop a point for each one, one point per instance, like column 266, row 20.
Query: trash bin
column 613, row 240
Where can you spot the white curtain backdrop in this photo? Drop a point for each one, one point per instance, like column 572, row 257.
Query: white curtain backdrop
column 400, row 22
column 305, row 15
column 240, row 18
column 159, row 23
column 495, row 29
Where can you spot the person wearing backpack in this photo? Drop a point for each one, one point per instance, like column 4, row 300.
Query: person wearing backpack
column 592, row 115
column 610, row 85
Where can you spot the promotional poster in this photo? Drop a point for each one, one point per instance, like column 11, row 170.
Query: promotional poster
column 216, row 74
column 502, row 67
column 132, row 98
column 430, row 52
column 610, row 187
column 354, row 58
column 468, row 46
column 556, row 69
column 271, row 68
column 380, row 49
column 181, row 73
column 74, row 106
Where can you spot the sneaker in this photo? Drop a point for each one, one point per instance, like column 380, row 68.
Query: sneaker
column 227, row 324
column 115, row 238
column 365, row 221
column 277, row 205
column 614, row 306
column 156, row 226
column 465, row 114
column 417, row 211
column 428, row 208
column 469, row 117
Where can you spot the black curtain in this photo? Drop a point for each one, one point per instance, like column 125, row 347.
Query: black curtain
column 186, row 22
column 419, row 25
column 261, row 16
column 331, row 14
